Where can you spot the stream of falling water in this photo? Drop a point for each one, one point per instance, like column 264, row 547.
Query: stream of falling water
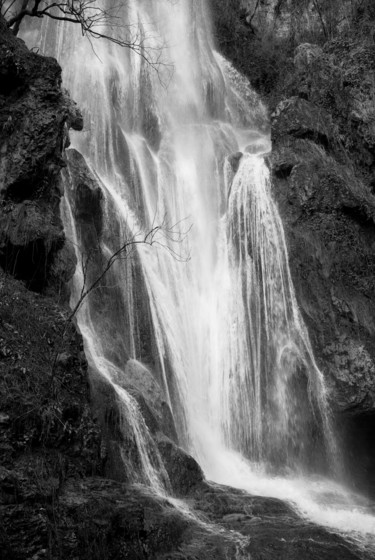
column 229, row 345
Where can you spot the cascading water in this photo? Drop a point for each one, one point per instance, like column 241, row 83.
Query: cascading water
column 272, row 393
column 228, row 343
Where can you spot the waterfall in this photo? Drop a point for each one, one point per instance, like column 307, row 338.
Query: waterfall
column 179, row 144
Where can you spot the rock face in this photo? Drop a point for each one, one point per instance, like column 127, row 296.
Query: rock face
column 298, row 118
column 35, row 116
column 47, row 431
column 323, row 173
column 87, row 193
column 329, row 213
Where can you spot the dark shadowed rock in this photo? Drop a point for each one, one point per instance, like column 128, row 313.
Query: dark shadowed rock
column 75, row 118
column 64, row 263
column 30, row 236
column 234, row 161
column 47, row 432
column 327, row 205
column 88, row 194
column 329, row 215
column 35, row 116
column 123, row 521
column 301, row 119
column 274, row 530
column 183, row 470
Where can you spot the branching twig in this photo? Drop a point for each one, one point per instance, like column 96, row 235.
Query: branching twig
column 95, row 22
column 161, row 235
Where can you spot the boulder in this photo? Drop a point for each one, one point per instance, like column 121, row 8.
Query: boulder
column 183, row 470
column 88, row 194
column 139, row 377
column 234, row 161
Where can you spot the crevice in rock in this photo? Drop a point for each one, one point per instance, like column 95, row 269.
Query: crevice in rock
column 313, row 135
column 10, row 84
column 29, row 263
column 357, row 214
column 23, row 189
column 283, row 171
column 38, row 183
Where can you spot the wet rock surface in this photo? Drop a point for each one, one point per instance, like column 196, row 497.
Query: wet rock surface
column 183, row 471
column 274, row 529
column 88, row 194
column 111, row 520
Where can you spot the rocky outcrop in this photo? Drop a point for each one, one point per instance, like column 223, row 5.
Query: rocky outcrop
column 183, row 471
column 298, row 118
column 329, row 213
column 88, row 194
column 35, row 117
column 47, row 431
column 323, row 173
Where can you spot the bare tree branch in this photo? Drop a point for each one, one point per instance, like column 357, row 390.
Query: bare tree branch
column 163, row 235
column 95, row 22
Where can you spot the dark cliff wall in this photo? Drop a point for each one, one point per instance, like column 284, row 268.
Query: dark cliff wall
column 35, row 116
column 323, row 165
column 47, row 431
column 323, row 169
